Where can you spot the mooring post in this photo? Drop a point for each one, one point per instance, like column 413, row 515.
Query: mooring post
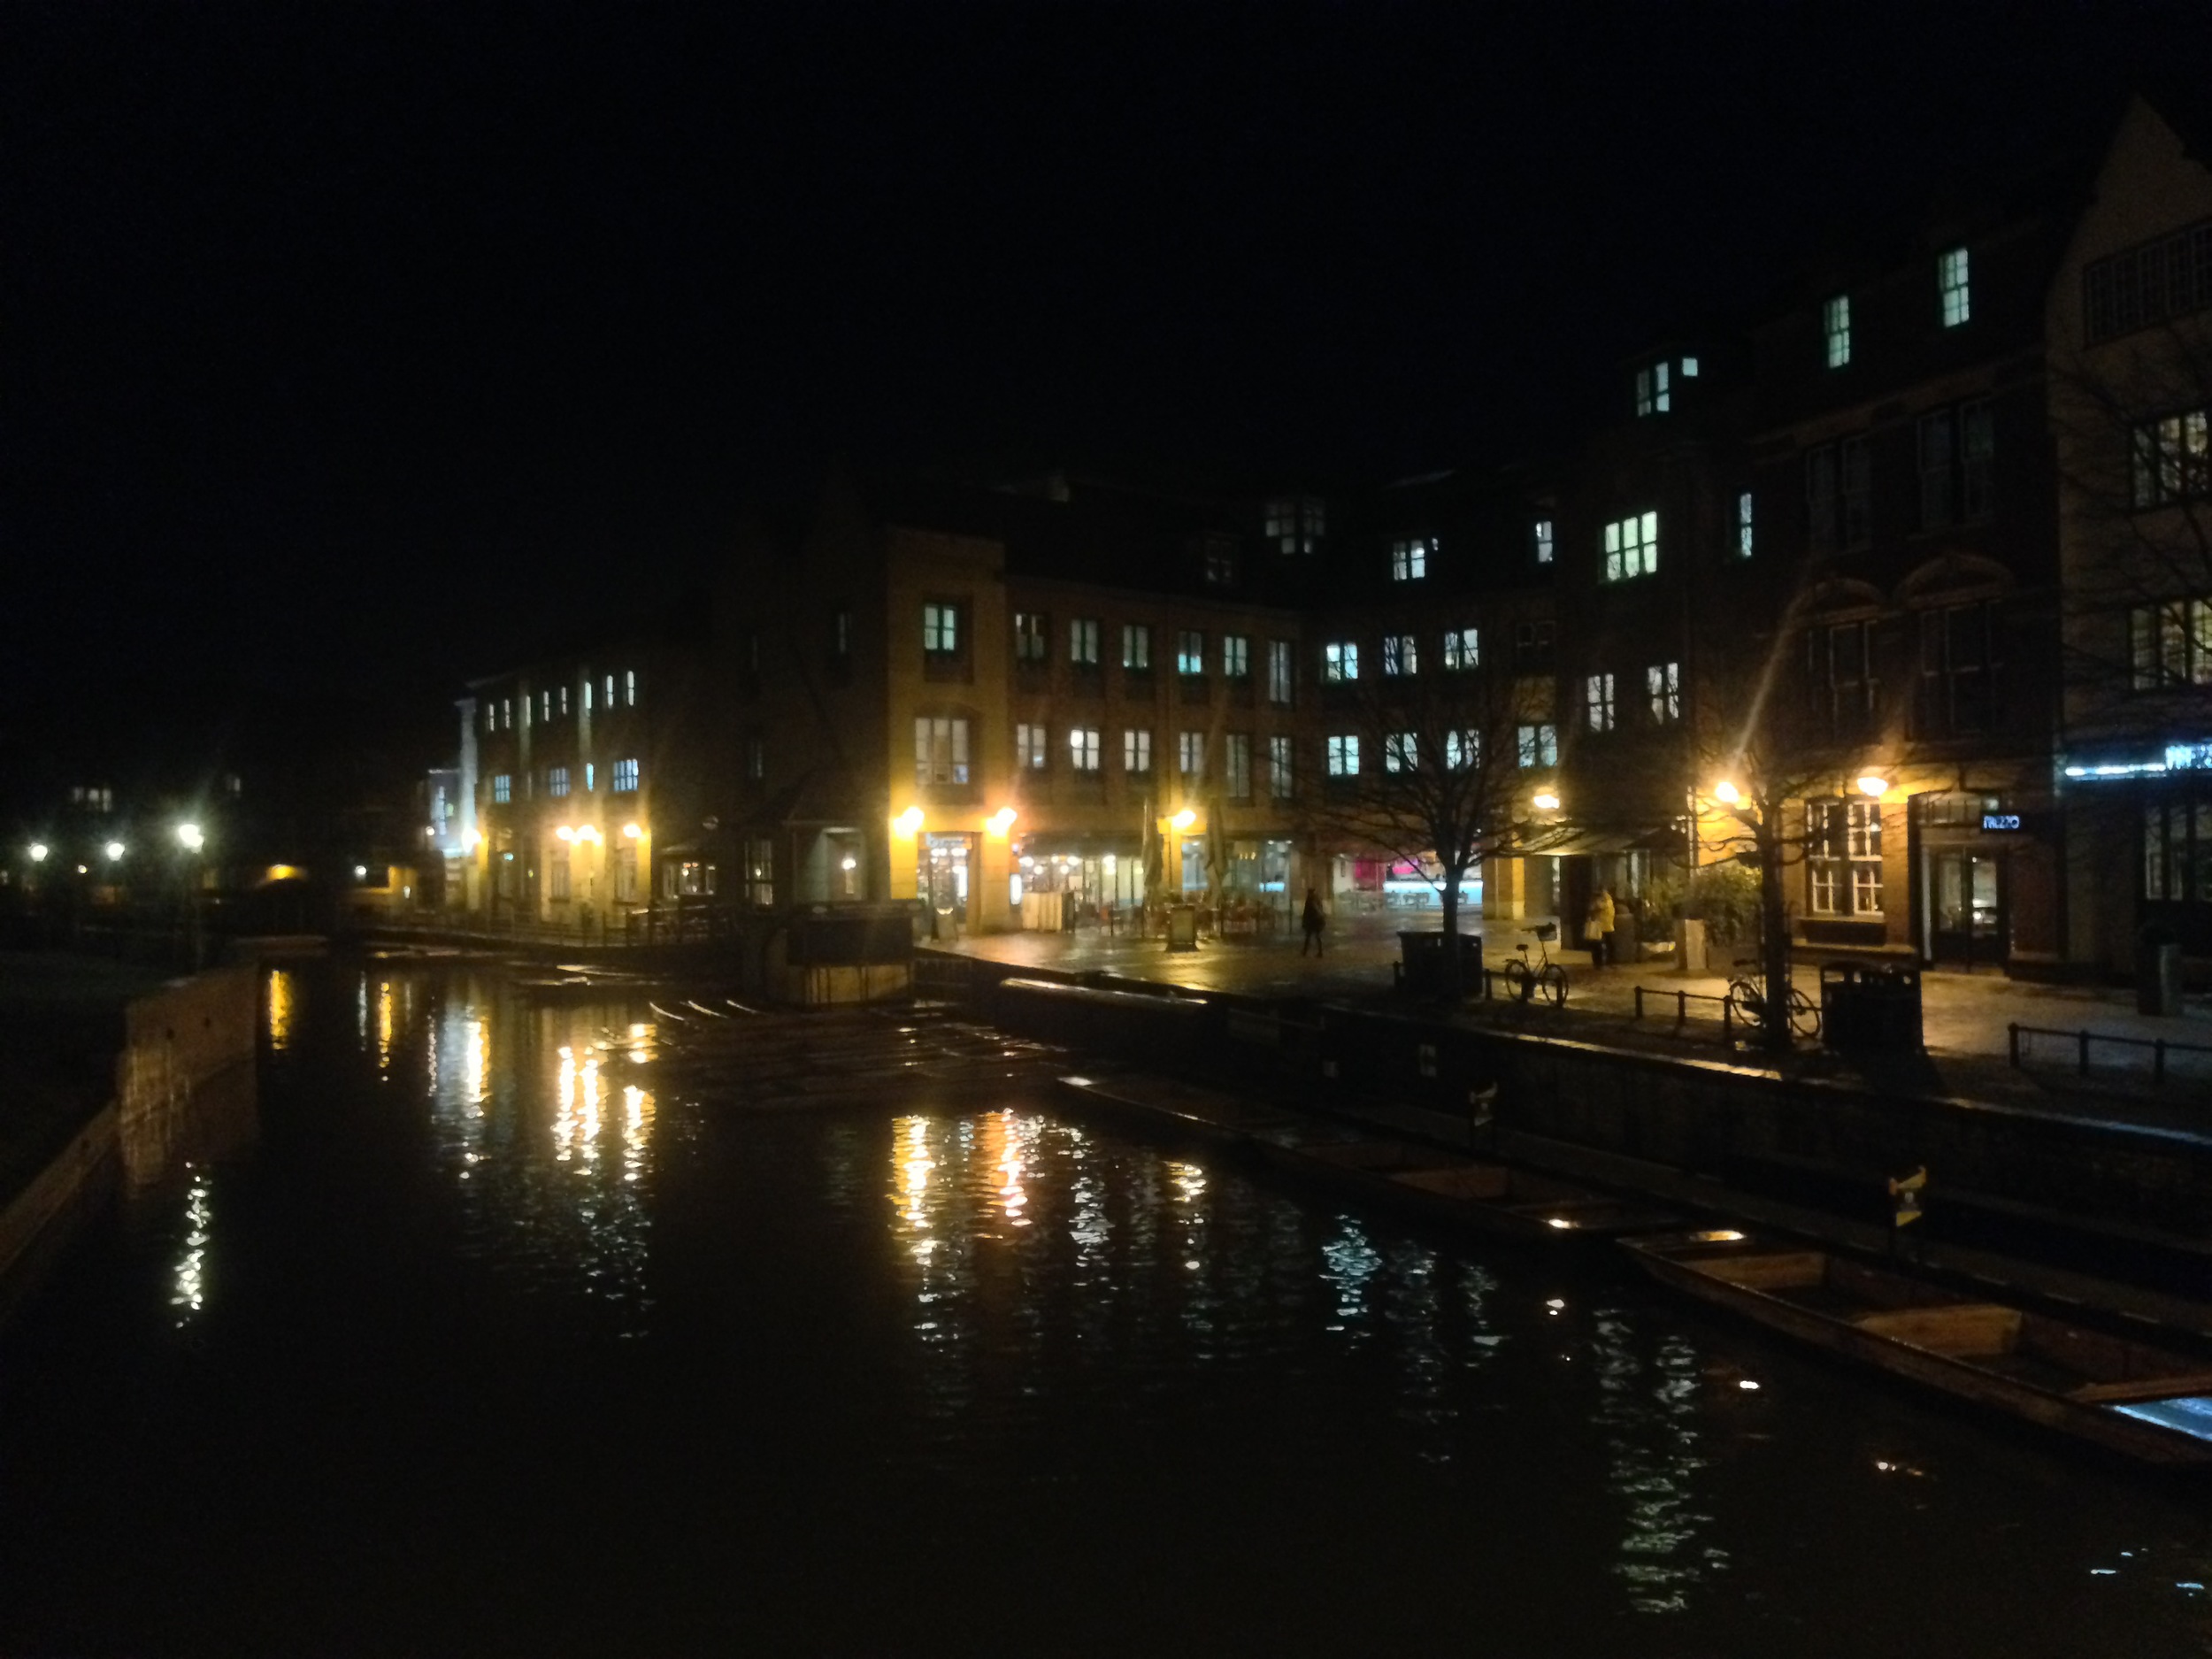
column 2012, row 1031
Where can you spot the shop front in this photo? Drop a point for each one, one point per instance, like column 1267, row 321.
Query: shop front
column 1065, row 880
column 944, row 864
column 1968, row 862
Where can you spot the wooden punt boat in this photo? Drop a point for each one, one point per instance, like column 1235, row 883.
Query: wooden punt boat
column 2128, row 1396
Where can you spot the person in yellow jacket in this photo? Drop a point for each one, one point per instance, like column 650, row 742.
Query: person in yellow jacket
column 1598, row 928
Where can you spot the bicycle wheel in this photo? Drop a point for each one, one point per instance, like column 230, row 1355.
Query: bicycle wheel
column 1750, row 1005
column 1804, row 1016
column 1519, row 980
column 1551, row 982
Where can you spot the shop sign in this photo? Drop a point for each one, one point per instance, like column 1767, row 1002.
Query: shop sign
column 2002, row 823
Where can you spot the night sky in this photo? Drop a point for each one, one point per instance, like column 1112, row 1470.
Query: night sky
column 351, row 347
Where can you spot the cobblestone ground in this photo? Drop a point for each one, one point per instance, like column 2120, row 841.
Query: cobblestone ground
column 1966, row 1016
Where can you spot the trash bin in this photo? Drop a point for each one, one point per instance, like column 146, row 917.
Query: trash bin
column 1182, row 927
column 1843, row 1007
column 1423, row 958
column 2157, row 978
column 1871, row 1006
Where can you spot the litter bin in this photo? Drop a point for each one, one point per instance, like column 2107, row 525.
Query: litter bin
column 1870, row 1006
column 1423, row 957
column 1843, row 1010
column 1182, row 927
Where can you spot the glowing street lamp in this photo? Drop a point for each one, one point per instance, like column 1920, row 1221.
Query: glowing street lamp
column 1727, row 792
column 190, row 837
column 1184, row 819
column 114, row 850
column 38, row 852
column 1873, row 786
column 631, row 832
column 1546, row 801
column 908, row 823
column 1000, row 821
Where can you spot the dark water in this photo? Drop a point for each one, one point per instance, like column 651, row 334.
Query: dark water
column 484, row 1348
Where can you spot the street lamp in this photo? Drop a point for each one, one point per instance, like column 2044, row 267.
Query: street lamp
column 1727, row 792
column 1873, row 786
column 1184, row 819
column 190, row 837
column 114, row 850
column 1546, row 801
column 38, row 852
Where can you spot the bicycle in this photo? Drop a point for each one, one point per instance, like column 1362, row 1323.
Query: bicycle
column 1799, row 1011
column 1528, row 980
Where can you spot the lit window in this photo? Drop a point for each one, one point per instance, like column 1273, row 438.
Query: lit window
column 1339, row 660
column 1190, row 652
column 526, row 713
column 1237, row 764
column 503, row 788
column 1463, row 751
column 755, row 757
column 1743, row 525
column 611, row 690
column 2171, row 644
column 940, row 749
column 1462, row 648
column 2173, row 459
column 1540, row 534
column 625, row 777
column 1192, row 753
column 1136, row 751
column 1410, row 559
column 1344, row 756
column 1029, row 746
column 629, row 687
column 1280, row 779
column 1236, row 656
column 1845, row 857
column 563, row 702
column 556, row 780
column 1400, row 751
column 588, row 697
column 1279, row 672
column 1539, row 745
column 1029, row 637
column 545, row 707
column 940, row 628
column 1598, row 698
column 506, row 714
column 1083, row 748
column 1631, row 547
column 1952, row 286
column 1663, row 681
column 1654, row 395
column 1136, row 647
column 1296, row 524
column 1835, row 324
column 1083, row 643
column 589, row 784
column 1401, row 654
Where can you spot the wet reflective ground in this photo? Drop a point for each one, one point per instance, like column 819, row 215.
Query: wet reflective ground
column 494, row 1343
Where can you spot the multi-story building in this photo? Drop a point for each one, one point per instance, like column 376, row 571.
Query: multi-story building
column 583, row 779
column 1903, row 580
column 2129, row 322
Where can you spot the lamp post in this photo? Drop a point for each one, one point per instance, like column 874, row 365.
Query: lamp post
column 192, row 841
column 1759, row 814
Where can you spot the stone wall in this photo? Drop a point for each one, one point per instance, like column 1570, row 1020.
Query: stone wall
column 175, row 1040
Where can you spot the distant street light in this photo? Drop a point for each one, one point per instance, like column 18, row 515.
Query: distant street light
column 189, row 837
column 1184, row 819
column 359, row 870
column 1728, row 793
column 38, row 852
column 1872, row 786
column 114, row 850
column 1547, row 801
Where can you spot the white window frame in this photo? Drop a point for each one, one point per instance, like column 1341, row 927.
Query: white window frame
column 1663, row 683
column 1190, row 754
column 940, row 749
column 1835, row 329
column 1190, row 652
column 1537, row 744
column 1402, row 751
column 940, row 634
column 1083, row 641
column 1339, row 661
column 1598, row 701
column 1236, row 764
column 1463, row 751
column 1955, row 286
column 1547, row 547
column 1409, row 558
column 1083, row 748
column 1343, row 754
column 1136, row 647
column 1281, row 768
column 1279, row 673
column 1030, row 746
column 625, row 777
column 1631, row 547
column 1745, row 524
column 1462, row 649
column 1236, row 656
column 1136, row 751
column 1402, row 654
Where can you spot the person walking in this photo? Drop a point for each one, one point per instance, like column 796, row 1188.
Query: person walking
column 1315, row 921
column 1598, row 927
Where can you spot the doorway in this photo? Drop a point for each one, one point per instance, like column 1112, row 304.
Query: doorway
column 942, row 880
column 1966, row 920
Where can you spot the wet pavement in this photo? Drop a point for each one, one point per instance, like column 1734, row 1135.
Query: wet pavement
column 564, row 1329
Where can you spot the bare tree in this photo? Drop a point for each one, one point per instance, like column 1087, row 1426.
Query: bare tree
column 1438, row 769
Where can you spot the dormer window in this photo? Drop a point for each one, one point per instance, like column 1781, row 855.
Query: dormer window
column 1295, row 524
column 1655, row 384
column 1951, row 286
column 1409, row 558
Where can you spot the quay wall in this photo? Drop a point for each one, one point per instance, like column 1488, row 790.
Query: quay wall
column 1995, row 1170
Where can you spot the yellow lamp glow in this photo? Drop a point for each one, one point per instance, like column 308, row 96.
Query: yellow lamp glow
column 1873, row 784
column 565, row 833
column 909, row 822
column 588, row 832
column 1184, row 819
column 1547, row 801
column 114, row 850
column 1002, row 820
column 38, row 852
column 472, row 840
column 1728, row 793
column 631, row 832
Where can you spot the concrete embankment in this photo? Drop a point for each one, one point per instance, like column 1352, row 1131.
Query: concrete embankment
column 111, row 1075
column 2120, row 1199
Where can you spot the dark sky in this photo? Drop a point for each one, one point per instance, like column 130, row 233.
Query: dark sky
column 349, row 344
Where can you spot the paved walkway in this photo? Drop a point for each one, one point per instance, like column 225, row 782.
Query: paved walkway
column 1965, row 1016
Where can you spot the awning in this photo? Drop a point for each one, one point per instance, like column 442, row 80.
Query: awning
column 1080, row 843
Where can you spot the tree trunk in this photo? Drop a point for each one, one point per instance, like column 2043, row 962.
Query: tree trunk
column 1450, row 898
column 1774, row 938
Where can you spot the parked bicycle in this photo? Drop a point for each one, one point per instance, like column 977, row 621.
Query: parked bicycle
column 1544, row 977
column 1799, row 1011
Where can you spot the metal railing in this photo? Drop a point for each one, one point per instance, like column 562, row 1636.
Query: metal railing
column 2160, row 1046
column 1727, row 1017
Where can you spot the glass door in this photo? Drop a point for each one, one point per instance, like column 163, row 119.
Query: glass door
column 1968, row 924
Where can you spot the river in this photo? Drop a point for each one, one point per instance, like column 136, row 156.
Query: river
column 497, row 1340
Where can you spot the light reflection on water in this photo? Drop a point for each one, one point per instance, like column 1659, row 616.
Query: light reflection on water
column 1037, row 1304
